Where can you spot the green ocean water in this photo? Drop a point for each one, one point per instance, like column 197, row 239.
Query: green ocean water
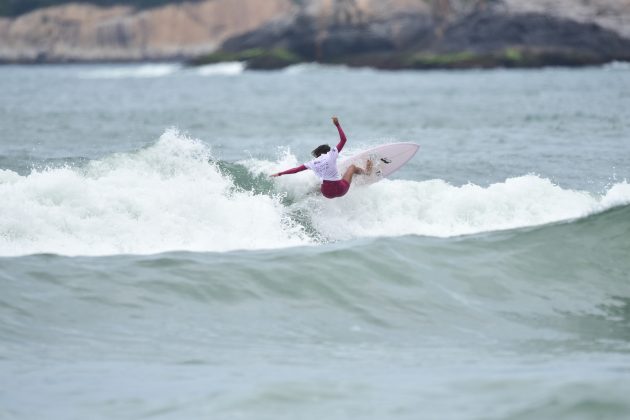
column 150, row 268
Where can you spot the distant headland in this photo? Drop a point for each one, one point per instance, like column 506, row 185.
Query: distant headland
column 386, row 34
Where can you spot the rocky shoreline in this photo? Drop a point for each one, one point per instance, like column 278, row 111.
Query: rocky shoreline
column 482, row 39
column 84, row 32
column 276, row 59
column 384, row 34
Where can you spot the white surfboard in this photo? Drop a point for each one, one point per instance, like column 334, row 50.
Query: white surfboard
column 386, row 159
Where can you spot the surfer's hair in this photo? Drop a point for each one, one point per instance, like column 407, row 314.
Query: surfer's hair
column 321, row 150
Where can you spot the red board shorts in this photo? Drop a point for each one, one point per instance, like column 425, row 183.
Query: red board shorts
column 332, row 189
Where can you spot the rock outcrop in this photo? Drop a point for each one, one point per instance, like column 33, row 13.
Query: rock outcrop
column 442, row 33
column 84, row 32
column 381, row 33
column 613, row 15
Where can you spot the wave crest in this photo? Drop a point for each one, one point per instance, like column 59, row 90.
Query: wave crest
column 436, row 208
column 173, row 195
column 165, row 197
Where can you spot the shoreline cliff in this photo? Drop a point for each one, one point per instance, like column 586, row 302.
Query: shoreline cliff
column 84, row 32
column 386, row 34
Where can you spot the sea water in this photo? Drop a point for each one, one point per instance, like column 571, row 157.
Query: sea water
column 150, row 268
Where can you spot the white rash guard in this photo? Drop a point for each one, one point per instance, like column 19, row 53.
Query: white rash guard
column 325, row 166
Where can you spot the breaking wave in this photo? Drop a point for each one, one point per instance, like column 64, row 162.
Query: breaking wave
column 174, row 195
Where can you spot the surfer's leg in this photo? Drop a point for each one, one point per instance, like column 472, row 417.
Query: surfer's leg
column 351, row 171
column 355, row 170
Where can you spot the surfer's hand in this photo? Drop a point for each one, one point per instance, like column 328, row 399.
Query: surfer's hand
column 275, row 175
column 335, row 120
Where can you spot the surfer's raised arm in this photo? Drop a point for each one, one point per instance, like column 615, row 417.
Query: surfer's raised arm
column 342, row 135
column 323, row 149
column 291, row 171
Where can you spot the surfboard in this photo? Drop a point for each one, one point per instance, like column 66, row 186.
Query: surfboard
column 386, row 159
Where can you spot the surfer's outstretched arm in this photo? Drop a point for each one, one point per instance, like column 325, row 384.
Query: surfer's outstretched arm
column 342, row 135
column 291, row 171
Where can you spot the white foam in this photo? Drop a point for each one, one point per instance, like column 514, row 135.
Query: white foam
column 308, row 68
column 297, row 186
column 131, row 71
column 435, row 208
column 302, row 68
column 222, row 69
column 617, row 65
column 616, row 196
column 165, row 197
column 170, row 197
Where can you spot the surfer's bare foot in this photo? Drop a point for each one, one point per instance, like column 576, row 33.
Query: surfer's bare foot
column 368, row 168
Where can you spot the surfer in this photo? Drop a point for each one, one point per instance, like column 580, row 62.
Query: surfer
column 325, row 167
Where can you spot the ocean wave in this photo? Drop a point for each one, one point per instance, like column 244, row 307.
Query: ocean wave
column 617, row 65
column 571, row 275
column 317, row 68
column 222, row 69
column 165, row 197
column 435, row 207
column 173, row 195
column 136, row 71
